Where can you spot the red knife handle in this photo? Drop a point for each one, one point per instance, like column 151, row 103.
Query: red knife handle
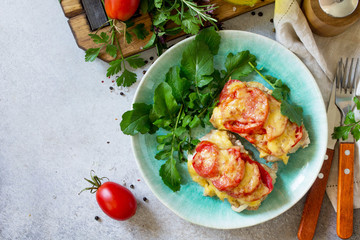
column 314, row 200
column 345, row 195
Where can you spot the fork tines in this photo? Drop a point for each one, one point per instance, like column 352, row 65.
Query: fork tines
column 346, row 75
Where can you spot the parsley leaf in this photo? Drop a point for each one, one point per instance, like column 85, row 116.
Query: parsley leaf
column 356, row 132
column 128, row 37
column 140, row 31
column 341, row 132
column 350, row 118
column 137, row 120
column 111, row 50
column 135, row 61
column 115, row 67
column 110, row 41
column 281, row 91
column 190, row 24
column 91, row 54
column 126, row 79
column 350, row 125
column 98, row 39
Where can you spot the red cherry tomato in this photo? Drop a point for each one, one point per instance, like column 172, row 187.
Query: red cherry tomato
column 205, row 161
column 116, row 201
column 121, row 9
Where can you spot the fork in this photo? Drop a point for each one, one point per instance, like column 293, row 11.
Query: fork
column 344, row 94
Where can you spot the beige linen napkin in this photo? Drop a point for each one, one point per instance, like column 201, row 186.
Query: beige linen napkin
column 320, row 54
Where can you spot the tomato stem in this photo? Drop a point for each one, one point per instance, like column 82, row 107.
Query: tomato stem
column 95, row 182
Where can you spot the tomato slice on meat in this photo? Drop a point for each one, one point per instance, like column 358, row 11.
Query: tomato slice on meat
column 259, row 185
column 229, row 91
column 265, row 176
column 244, row 109
column 231, row 170
column 250, row 182
column 205, row 161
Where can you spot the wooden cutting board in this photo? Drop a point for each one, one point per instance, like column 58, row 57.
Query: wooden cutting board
column 79, row 25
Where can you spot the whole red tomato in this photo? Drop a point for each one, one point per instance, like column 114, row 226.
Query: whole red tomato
column 121, row 9
column 115, row 200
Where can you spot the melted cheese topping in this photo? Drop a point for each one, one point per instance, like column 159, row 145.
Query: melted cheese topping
column 282, row 145
column 280, row 136
column 221, row 139
column 250, row 181
column 276, row 122
column 211, row 191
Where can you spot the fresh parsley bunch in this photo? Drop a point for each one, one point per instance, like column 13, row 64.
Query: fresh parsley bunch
column 185, row 100
column 350, row 125
column 111, row 43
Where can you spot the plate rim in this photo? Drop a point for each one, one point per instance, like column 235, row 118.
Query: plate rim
column 298, row 197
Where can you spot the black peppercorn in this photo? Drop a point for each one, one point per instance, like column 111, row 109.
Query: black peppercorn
column 132, row 186
column 253, row 13
column 145, row 199
column 111, row 88
column 271, row 20
column 151, row 58
column 260, row 14
column 97, row 218
column 122, row 94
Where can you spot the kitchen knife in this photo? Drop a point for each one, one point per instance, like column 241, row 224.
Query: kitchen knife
column 316, row 193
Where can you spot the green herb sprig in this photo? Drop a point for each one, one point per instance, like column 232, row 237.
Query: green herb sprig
column 110, row 41
column 182, row 15
column 351, row 126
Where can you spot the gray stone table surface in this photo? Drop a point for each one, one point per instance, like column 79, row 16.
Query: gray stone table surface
column 59, row 120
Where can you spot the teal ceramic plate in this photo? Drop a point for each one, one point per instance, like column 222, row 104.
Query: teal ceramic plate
column 293, row 180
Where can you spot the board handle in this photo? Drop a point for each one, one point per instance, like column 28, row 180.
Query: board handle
column 314, row 200
column 345, row 195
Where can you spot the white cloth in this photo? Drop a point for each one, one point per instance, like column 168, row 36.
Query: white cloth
column 320, row 54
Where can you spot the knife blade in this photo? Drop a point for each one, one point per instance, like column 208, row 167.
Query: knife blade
column 316, row 193
column 95, row 14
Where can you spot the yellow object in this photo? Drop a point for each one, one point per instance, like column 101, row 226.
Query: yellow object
column 280, row 136
column 221, row 139
column 250, row 3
